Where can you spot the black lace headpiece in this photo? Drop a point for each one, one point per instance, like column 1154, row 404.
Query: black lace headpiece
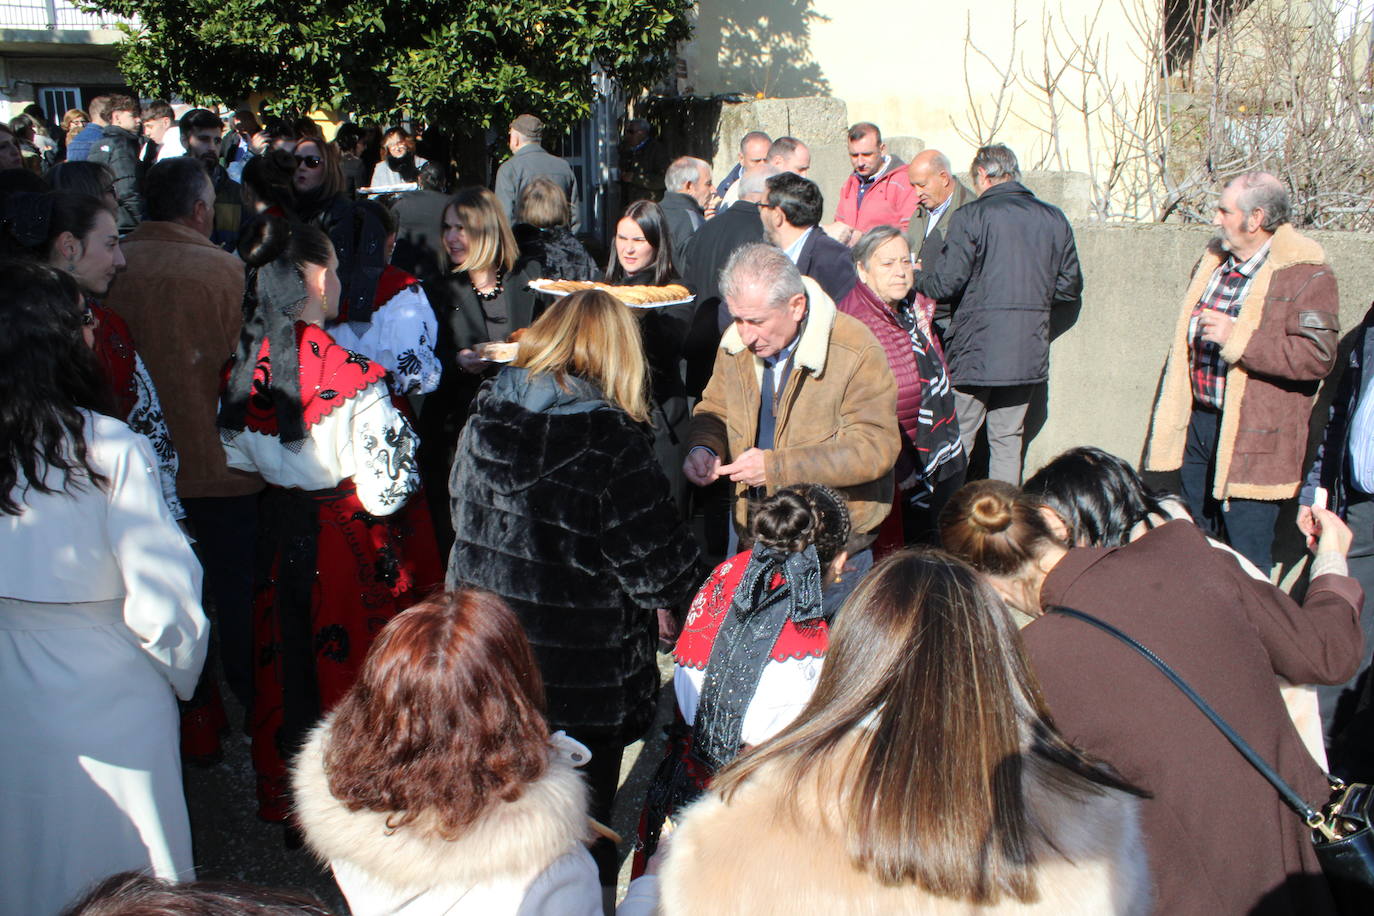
column 273, row 297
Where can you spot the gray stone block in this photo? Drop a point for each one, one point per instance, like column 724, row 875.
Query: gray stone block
column 904, row 147
column 1069, row 191
column 817, row 120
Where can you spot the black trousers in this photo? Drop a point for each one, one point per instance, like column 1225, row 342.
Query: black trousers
column 226, row 530
column 603, row 778
column 1245, row 524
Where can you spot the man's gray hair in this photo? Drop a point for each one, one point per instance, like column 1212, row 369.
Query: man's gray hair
column 755, row 181
column 683, row 170
column 997, row 161
column 871, row 241
column 761, row 264
column 1263, row 191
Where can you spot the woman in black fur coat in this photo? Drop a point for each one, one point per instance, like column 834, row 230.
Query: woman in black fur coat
column 560, row 507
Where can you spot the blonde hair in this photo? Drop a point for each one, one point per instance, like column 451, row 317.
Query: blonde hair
column 491, row 244
column 593, row 335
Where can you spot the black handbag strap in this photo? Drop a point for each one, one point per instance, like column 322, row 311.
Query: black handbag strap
column 1313, row 818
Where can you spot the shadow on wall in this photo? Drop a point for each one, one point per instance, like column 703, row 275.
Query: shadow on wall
column 763, row 46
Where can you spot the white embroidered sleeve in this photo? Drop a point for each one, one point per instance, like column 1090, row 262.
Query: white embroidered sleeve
column 408, row 340
column 147, row 420
column 383, row 446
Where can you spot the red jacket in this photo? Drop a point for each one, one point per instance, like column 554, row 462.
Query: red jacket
column 890, row 201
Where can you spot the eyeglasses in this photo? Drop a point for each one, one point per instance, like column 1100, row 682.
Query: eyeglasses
column 310, row 162
column 88, row 317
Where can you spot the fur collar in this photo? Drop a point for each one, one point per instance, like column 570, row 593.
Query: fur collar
column 815, row 341
column 750, row 856
column 512, row 839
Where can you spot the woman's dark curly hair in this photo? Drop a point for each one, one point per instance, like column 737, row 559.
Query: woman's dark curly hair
column 796, row 517
column 47, row 376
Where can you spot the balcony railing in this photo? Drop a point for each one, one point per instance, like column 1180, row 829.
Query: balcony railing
column 54, row 15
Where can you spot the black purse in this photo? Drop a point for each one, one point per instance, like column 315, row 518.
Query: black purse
column 1342, row 831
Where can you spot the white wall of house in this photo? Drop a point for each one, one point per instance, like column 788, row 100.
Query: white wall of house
column 919, row 70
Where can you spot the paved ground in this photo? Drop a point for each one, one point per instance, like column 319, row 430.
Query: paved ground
column 231, row 843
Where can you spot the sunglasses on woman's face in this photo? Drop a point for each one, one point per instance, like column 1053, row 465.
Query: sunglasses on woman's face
column 310, row 162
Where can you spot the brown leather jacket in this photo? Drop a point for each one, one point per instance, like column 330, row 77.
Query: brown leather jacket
column 837, row 419
column 1282, row 346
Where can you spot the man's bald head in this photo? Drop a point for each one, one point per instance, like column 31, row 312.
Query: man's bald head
column 790, row 155
column 930, row 174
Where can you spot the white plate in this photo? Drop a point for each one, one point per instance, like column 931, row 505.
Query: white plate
column 538, row 286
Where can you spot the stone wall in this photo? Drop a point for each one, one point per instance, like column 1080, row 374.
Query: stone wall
column 1106, row 361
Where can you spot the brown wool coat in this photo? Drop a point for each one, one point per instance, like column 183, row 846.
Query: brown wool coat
column 183, row 300
column 837, row 415
column 1220, row 840
column 1283, row 344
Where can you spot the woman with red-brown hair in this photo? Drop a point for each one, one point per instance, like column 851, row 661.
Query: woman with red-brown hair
column 435, row 786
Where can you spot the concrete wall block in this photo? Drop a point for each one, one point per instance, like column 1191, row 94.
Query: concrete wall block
column 817, row 119
column 1069, row 191
column 829, row 170
column 904, row 147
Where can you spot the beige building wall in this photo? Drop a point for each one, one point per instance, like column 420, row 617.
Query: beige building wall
column 920, row 70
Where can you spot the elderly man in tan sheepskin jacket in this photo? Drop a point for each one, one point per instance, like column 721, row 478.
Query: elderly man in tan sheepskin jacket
column 1257, row 334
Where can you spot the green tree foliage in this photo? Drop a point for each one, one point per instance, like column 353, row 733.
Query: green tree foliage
column 448, row 61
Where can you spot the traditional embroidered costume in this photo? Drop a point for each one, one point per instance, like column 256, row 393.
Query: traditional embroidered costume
column 336, row 560
column 136, row 398
column 400, row 336
column 747, row 663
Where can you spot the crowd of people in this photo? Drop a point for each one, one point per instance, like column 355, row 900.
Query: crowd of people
column 287, row 398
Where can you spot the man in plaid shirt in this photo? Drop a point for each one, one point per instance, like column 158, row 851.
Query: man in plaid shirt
column 1257, row 334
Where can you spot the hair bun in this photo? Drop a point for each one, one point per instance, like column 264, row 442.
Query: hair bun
column 992, row 512
column 265, row 241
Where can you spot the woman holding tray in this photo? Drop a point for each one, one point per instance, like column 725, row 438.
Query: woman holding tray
column 643, row 257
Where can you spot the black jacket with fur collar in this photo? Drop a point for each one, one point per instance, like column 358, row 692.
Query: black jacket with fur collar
column 560, row 507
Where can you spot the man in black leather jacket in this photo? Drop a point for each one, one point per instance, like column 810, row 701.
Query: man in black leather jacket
column 118, row 149
column 1012, row 257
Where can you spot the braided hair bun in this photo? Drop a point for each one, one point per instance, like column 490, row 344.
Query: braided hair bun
column 799, row 516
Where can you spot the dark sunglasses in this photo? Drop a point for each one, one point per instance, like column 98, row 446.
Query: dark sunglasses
column 310, row 162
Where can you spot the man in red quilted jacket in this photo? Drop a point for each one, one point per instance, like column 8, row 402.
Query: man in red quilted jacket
column 877, row 193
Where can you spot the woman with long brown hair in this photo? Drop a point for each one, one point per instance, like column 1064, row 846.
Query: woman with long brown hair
column 435, row 785
column 559, row 507
column 924, row 776
column 1225, row 632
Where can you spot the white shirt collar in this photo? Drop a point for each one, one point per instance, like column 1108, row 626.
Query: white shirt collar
column 794, row 250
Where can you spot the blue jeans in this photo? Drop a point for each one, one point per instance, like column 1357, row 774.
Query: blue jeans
column 834, row 593
column 1245, row 524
